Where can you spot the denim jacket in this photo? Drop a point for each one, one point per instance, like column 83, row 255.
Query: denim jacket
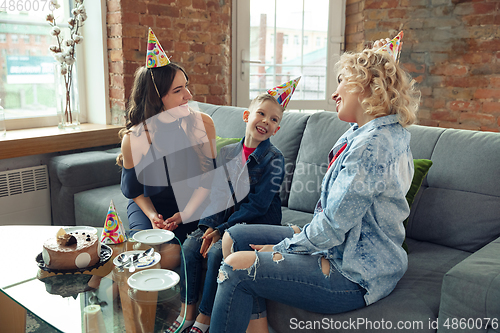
column 255, row 184
column 358, row 221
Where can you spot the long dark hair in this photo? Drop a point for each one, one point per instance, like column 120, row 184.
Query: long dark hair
column 144, row 100
column 145, row 103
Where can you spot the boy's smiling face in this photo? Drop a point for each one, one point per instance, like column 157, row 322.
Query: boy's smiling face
column 262, row 122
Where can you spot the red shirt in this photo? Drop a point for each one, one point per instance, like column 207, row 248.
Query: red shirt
column 246, row 152
column 337, row 155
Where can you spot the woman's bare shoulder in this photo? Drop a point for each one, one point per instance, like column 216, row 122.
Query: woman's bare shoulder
column 209, row 124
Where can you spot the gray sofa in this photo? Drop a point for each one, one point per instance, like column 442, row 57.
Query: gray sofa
column 453, row 233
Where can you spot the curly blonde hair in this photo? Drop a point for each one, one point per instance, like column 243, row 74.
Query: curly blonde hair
column 385, row 86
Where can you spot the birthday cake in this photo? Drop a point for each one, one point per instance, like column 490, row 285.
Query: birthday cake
column 74, row 250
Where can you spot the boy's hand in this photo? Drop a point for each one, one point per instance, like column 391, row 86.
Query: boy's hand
column 262, row 248
column 210, row 237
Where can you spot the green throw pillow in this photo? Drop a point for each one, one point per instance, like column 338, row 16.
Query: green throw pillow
column 421, row 168
column 221, row 142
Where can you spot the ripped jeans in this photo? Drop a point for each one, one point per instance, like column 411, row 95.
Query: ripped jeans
column 294, row 279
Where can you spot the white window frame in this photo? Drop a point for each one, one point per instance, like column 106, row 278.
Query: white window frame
column 241, row 51
column 93, row 73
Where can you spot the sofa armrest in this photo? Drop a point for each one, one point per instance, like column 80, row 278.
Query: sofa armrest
column 73, row 173
column 471, row 290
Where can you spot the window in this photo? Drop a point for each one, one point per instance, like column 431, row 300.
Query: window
column 259, row 66
column 27, row 86
column 3, row 38
column 38, row 39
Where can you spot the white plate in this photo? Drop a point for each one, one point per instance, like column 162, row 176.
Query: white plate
column 153, row 280
column 144, row 262
column 80, row 228
column 153, row 236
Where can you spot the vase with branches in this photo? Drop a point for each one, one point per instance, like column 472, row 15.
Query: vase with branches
column 65, row 56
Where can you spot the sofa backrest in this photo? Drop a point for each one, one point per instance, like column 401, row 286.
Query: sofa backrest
column 458, row 204
column 322, row 131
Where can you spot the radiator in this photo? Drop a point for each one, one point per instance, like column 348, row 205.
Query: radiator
column 25, row 196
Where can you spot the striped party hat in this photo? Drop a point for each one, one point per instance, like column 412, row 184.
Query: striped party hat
column 284, row 92
column 393, row 47
column 155, row 56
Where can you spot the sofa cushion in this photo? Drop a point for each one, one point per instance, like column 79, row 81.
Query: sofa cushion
column 76, row 172
column 421, row 167
column 471, row 289
column 415, row 299
column 323, row 129
column 91, row 207
column 461, row 205
column 221, row 142
column 295, row 217
column 288, row 140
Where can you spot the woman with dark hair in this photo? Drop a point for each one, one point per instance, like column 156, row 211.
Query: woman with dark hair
column 167, row 152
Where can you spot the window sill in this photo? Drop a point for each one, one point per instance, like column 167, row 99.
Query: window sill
column 45, row 140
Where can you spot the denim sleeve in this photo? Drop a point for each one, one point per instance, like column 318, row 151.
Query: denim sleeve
column 345, row 199
column 259, row 201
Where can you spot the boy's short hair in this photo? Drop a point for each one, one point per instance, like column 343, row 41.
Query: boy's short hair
column 391, row 90
column 261, row 98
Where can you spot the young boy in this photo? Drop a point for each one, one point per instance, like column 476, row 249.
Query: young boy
column 252, row 172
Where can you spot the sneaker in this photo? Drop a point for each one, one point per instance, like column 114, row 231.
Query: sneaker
column 175, row 326
column 195, row 329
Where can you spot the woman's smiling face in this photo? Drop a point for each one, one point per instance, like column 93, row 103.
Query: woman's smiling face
column 178, row 94
column 349, row 107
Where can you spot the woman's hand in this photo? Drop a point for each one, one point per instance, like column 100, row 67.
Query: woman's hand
column 262, row 248
column 210, row 237
column 157, row 221
column 173, row 222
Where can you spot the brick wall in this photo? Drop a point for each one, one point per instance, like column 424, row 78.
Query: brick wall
column 194, row 33
column 451, row 48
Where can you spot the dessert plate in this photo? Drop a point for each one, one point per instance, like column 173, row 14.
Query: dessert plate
column 80, row 228
column 143, row 262
column 153, row 236
column 104, row 257
column 153, row 280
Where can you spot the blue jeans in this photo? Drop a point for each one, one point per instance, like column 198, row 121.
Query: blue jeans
column 194, row 262
column 296, row 280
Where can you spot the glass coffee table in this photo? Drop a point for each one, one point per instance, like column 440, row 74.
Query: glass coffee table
column 99, row 300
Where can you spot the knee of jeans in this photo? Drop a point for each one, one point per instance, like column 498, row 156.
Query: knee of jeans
column 236, row 262
column 227, row 244
column 215, row 254
column 195, row 236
